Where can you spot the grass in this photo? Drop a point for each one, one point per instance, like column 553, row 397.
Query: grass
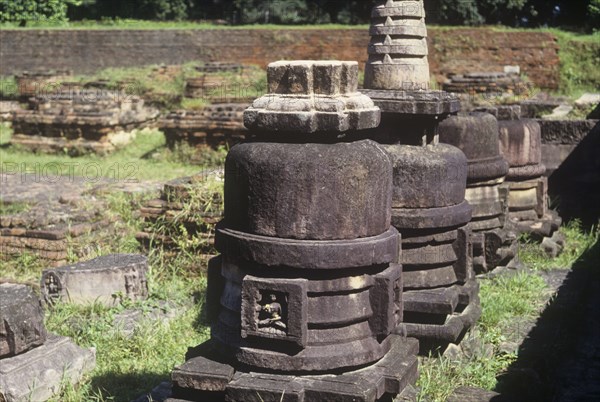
column 578, row 242
column 507, row 301
column 127, row 366
column 5, row 133
column 146, row 158
column 503, row 299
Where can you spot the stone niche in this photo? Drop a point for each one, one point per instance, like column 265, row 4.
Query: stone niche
column 80, row 121
column 104, row 280
column 476, row 134
column 187, row 202
column 440, row 292
column 33, row 363
column 307, row 291
column 213, row 126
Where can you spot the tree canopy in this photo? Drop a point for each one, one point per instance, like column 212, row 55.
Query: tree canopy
column 578, row 13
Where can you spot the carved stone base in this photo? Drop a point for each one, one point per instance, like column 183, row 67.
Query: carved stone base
column 206, row 378
column 40, row 373
column 442, row 316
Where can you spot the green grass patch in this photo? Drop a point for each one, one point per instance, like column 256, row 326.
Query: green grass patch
column 146, row 158
column 578, row 242
column 503, row 299
column 5, row 133
column 12, row 208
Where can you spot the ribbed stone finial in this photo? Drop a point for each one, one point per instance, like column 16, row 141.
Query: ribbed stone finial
column 312, row 96
column 398, row 49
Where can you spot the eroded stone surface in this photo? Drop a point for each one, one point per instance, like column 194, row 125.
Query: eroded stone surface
column 21, row 320
column 312, row 96
column 40, row 373
column 103, row 280
column 398, row 48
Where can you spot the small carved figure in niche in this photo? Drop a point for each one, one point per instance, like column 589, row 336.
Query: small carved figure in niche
column 271, row 315
column 53, row 288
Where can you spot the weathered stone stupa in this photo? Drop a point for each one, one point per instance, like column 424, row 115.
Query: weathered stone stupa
column 428, row 206
column 476, row 134
column 307, row 292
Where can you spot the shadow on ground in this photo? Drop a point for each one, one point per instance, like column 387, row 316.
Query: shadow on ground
column 127, row 387
column 560, row 358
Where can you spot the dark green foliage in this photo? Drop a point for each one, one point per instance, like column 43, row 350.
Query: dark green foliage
column 25, row 11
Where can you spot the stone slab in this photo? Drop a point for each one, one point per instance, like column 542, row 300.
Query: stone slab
column 37, row 375
column 21, row 320
column 101, row 280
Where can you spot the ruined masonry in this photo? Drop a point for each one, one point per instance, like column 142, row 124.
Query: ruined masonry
column 80, row 121
column 33, row 363
column 429, row 209
column 476, row 134
column 188, row 202
column 214, row 125
column 307, row 291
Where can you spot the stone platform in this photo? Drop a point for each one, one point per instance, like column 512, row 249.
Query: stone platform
column 80, row 121
column 205, row 377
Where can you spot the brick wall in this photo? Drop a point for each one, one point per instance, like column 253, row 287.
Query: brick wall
column 451, row 50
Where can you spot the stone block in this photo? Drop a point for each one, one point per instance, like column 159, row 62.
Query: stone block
column 21, row 320
column 39, row 374
column 101, row 280
column 309, row 96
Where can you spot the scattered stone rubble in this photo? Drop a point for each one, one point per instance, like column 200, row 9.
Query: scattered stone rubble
column 429, row 209
column 80, row 121
column 34, row 365
column 309, row 266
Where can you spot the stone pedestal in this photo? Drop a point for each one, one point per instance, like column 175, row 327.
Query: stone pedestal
column 428, row 204
column 308, row 289
column 34, row 365
column 476, row 134
column 526, row 185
